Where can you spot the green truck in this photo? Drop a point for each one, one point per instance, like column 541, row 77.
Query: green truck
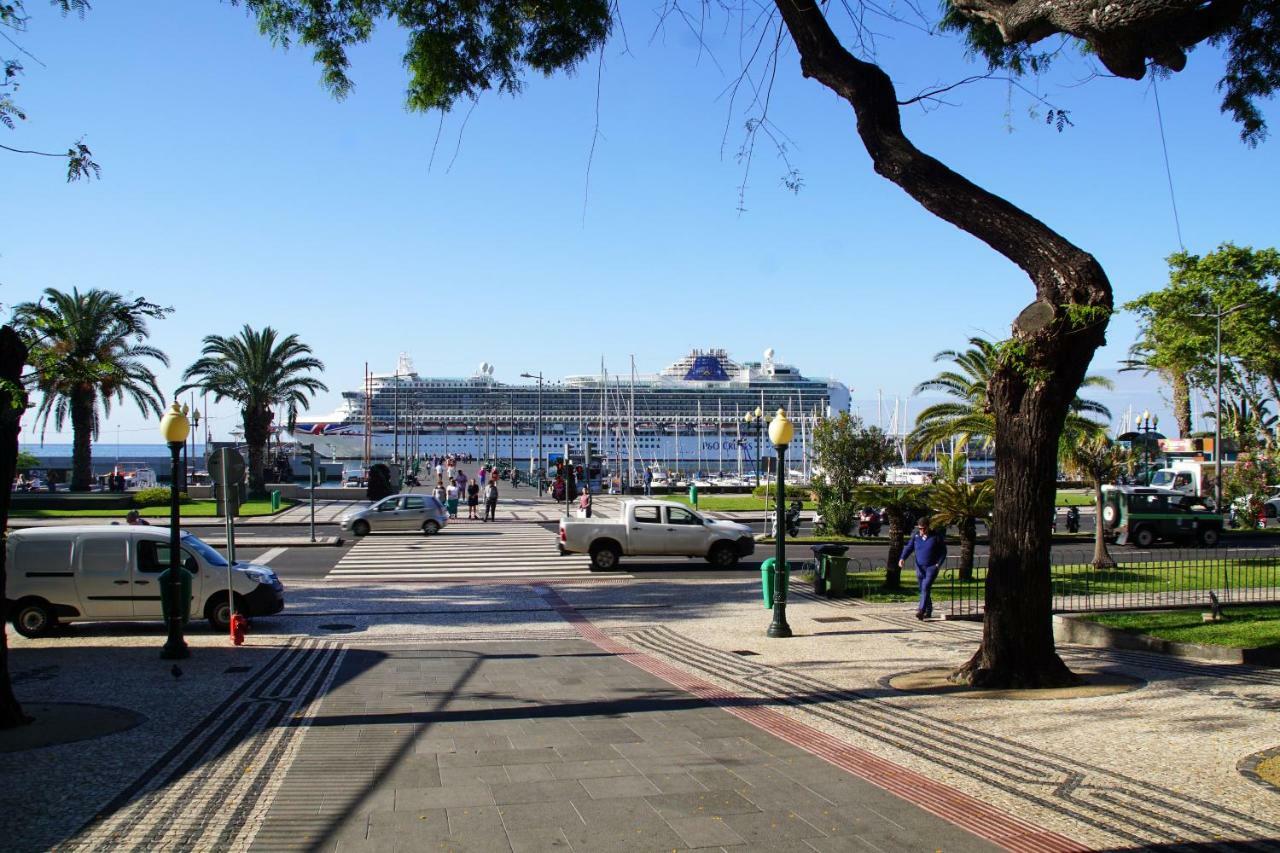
column 1144, row 515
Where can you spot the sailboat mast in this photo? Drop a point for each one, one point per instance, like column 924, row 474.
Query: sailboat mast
column 719, row 436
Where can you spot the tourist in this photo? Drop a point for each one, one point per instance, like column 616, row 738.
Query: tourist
column 451, row 499
column 135, row 518
column 648, row 482
column 439, row 492
column 584, row 501
column 930, row 550
column 491, row 500
column 473, row 500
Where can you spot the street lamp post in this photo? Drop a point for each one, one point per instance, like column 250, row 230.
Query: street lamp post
column 756, row 417
column 174, row 427
column 780, row 433
column 1217, row 406
column 541, row 459
column 1147, row 425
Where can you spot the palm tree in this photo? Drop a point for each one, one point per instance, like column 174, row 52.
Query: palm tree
column 970, row 415
column 85, row 349
column 1098, row 460
column 899, row 504
column 260, row 371
column 959, row 503
column 1142, row 358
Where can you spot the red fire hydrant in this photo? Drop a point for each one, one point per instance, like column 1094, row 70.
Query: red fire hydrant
column 238, row 626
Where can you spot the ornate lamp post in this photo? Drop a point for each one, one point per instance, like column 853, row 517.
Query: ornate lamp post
column 174, row 427
column 1147, row 425
column 757, row 418
column 780, row 433
column 542, row 460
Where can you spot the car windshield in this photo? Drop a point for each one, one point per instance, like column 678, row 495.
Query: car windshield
column 1162, row 478
column 206, row 552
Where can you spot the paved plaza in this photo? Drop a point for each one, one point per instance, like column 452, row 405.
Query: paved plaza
column 620, row 714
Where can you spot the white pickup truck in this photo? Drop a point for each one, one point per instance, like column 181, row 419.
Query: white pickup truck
column 656, row 528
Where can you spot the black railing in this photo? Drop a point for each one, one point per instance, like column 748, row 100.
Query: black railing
column 1145, row 581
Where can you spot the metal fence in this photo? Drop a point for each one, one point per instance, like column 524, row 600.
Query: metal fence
column 1137, row 581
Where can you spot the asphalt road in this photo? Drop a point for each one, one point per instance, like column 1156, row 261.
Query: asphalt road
column 315, row 562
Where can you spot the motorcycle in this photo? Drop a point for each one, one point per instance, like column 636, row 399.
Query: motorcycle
column 1073, row 519
column 868, row 523
column 411, row 480
column 791, row 520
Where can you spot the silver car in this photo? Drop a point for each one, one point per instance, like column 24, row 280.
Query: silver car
column 398, row 512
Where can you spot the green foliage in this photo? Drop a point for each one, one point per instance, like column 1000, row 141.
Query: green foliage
column 27, row 461
column 1247, row 484
column 969, row 414
column 1177, row 324
column 260, row 371
column 1080, row 316
column 845, row 454
column 158, row 496
column 455, row 50
column 1247, row 33
column 87, row 351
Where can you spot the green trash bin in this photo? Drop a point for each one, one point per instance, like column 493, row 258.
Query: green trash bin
column 275, row 500
column 184, row 581
column 836, row 575
column 767, row 576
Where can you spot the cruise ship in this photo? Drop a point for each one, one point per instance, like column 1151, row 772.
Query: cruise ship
column 687, row 417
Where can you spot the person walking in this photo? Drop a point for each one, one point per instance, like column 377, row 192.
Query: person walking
column 473, row 499
column 648, row 482
column 584, row 502
column 491, row 501
column 930, row 550
column 439, row 491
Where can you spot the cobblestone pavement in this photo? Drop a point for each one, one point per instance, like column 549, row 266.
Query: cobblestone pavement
column 653, row 715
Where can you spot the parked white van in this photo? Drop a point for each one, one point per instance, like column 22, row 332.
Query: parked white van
column 111, row 572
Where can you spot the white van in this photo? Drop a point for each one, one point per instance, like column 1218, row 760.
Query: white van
column 111, row 572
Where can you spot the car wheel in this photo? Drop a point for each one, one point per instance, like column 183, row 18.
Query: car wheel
column 1209, row 536
column 430, row 527
column 32, row 618
column 723, row 556
column 218, row 613
column 360, row 528
column 605, row 557
column 1144, row 537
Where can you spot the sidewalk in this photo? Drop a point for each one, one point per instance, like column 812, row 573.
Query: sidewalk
column 632, row 716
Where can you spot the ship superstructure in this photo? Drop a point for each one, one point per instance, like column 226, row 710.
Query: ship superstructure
column 688, row 416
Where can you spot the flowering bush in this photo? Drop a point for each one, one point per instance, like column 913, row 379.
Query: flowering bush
column 1247, row 484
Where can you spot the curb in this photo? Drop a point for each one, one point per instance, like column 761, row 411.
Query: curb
column 1248, row 767
column 278, row 542
column 1071, row 628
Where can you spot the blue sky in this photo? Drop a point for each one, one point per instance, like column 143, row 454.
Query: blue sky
column 235, row 189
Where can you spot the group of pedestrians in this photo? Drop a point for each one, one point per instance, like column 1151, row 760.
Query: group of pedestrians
column 453, row 487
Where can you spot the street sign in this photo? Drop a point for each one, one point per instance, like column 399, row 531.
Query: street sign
column 235, row 465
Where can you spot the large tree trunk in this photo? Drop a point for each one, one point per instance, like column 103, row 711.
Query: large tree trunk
column 1181, row 402
column 968, row 538
column 257, row 432
column 892, row 573
column 1101, row 556
column 1039, row 371
column 83, row 403
column 13, row 402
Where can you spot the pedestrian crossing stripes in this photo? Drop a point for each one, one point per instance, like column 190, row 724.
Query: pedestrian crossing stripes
column 464, row 551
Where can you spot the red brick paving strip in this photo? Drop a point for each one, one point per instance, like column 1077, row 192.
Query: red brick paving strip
column 959, row 808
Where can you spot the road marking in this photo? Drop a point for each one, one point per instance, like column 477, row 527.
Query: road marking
column 268, row 556
column 477, row 551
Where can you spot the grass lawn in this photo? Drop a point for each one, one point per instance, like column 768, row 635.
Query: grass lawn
column 866, row 579
column 195, row 509
column 1074, row 499
column 1243, row 627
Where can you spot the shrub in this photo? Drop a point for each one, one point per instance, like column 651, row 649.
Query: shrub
column 159, row 496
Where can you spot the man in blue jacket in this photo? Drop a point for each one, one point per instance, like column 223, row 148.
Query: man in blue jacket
column 930, row 550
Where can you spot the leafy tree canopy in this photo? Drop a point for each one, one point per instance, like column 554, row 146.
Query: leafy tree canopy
column 1129, row 38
